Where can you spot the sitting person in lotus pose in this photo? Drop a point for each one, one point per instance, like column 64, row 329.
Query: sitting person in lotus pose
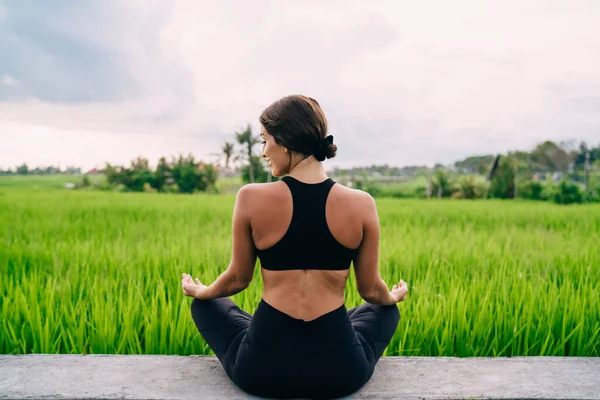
column 306, row 229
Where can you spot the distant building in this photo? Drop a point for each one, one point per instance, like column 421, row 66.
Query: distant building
column 94, row 171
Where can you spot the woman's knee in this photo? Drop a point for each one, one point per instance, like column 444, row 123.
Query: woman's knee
column 394, row 314
column 219, row 303
column 220, row 312
column 388, row 312
column 396, row 311
column 197, row 305
column 389, row 316
column 202, row 312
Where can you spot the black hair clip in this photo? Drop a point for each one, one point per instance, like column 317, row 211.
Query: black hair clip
column 324, row 143
column 322, row 147
column 327, row 141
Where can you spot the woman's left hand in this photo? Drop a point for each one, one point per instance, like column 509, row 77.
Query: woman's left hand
column 190, row 288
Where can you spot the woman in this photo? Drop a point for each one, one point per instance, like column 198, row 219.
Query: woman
column 306, row 230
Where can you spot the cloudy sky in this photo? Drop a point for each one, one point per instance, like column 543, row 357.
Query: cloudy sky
column 403, row 82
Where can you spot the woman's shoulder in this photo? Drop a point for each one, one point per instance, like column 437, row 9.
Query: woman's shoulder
column 355, row 200
column 354, row 194
column 260, row 188
column 252, row 194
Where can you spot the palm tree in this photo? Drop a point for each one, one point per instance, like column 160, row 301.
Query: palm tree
column 228, row 152
column 442, row 182
column 247, row 138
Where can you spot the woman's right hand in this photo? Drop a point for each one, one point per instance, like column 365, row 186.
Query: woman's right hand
column 399, row 291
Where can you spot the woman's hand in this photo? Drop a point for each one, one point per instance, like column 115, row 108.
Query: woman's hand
column 190, row 288
column 399, row 291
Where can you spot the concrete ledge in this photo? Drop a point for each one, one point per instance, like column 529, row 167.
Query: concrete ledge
column 42, row 376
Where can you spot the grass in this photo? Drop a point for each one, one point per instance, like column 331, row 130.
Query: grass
column 99, row 272
column 44, row 182
column 229, row 185
column 36, row 182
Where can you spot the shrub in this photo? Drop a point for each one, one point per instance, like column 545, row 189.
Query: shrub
column 567, row 193
column 441, row 179
column 531, row 190
column 590, row 197
column 373, row 190
column 467, row 189
column 503, row 181
column 182, row 175
column 148, row 188
column 85, row 182
column 421, row 191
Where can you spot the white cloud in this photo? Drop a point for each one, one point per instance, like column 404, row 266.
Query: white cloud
column 400, row 82
column 7, row 80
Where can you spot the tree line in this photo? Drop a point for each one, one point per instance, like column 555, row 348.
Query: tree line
column 525, row 174
column 24, row 169
column 556, row 172
column 549, row 172
column 179, row 175
column 545, row 157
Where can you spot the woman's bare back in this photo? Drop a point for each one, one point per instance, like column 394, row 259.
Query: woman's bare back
column 304, row 294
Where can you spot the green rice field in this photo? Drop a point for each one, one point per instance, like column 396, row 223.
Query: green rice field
column 100, row 272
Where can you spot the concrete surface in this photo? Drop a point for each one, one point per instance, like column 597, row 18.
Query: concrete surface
column 200, row 377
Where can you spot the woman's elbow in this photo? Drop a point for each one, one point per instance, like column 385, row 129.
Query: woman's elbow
column 376, row 295
column 242, row 282
column 368, row 295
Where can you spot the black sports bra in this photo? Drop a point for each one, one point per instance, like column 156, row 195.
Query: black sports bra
column 308, row 242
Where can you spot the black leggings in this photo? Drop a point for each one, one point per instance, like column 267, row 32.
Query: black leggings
column 274, row 355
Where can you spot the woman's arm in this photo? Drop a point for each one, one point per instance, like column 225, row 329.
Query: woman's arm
column 239, row 274
column 368, row 281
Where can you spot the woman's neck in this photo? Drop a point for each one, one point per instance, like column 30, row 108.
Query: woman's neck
column 309, row 170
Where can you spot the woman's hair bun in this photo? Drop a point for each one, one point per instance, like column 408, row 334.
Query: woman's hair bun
column 298, row 123
column 331, row 150
column 325, row 148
